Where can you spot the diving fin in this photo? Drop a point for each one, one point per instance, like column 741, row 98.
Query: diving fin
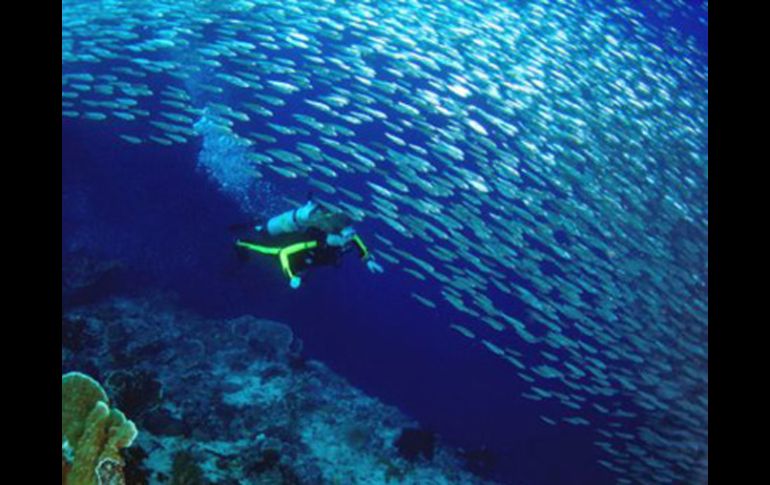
column 242, row 253
column 245, row 226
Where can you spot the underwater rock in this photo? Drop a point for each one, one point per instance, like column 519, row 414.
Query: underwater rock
column 134, row 470
column 192, row 349
column 204, row 420
column 186, row 471
column 273, row 372
column 480, row 461
column 143, row 351
column 268, row 468
column 163, row 423
column 75, row 334
column 86, row 279
column 265, row 337
column 298, row 363
column 268, row 460
column 414, row 442
column 136, row 392
column 117, row 339
column 357, row 436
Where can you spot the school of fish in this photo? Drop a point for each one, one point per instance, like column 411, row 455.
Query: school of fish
column 550, row 155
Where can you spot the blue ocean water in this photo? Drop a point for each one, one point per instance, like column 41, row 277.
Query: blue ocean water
column 164, row 221
column 156, row 211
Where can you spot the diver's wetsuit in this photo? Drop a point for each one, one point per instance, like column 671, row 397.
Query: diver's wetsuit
column 322, row 254
column 300, row 251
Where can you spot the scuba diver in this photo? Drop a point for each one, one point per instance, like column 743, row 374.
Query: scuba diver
column 305, row 237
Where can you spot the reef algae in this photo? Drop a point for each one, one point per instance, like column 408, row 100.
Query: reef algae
column 92, row 434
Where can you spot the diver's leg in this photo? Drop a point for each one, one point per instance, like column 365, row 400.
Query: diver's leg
column 288, row 269
column 241, row 253
column 257, row 248
column 249, row 228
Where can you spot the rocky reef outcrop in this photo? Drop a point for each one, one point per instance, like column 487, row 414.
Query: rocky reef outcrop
column 236, row 402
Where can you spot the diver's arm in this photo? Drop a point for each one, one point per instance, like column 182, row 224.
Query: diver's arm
column 363, row 251
column 366, row 256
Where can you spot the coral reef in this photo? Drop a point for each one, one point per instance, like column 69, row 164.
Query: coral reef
column 134, row 470
column 136, row 391
column 266, row 337
column 75, row 335
column 87, row 279
column 480, row 461
column 92, row 433
column 236, row 402
column 185, row 470
column 414, row 442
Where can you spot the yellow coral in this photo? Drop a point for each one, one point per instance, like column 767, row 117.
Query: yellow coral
column 92, row 434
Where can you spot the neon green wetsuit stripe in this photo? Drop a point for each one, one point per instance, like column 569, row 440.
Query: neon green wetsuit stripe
column 291, row 249
column 361, row 246
column 257, row 248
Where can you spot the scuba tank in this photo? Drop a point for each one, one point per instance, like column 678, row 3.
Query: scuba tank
column 294, row 220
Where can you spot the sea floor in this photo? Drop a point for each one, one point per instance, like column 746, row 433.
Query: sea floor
column 236, row 402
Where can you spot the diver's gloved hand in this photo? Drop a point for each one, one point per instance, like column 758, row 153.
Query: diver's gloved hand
column 295, row 282
column 374, row 266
